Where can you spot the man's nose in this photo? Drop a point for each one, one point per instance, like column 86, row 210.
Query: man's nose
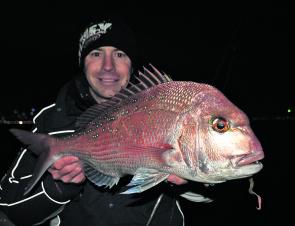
column 108, row 63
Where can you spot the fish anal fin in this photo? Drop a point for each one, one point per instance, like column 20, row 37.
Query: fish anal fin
column 145, row 179
column 98, row 178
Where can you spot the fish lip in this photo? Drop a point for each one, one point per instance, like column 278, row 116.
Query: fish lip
column 252, row 158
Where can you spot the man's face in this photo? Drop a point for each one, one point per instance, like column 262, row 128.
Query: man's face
column 107, row 70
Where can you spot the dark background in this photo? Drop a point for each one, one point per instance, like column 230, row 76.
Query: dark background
column 244, row 50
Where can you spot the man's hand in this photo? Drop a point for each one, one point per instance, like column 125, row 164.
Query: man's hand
column 176, row 180
column 68, row 169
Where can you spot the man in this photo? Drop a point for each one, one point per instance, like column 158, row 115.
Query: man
column 107, row 56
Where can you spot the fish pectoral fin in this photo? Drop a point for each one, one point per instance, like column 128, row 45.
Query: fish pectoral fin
column 99, row 178
column 191, row 196
column 144, row 179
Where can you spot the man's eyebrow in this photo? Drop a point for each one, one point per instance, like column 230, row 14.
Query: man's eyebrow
column 117, row 50
column 95, row 49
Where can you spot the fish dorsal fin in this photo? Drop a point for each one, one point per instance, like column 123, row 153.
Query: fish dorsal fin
column 144, row 179
column 146, row 80
column 99, row 178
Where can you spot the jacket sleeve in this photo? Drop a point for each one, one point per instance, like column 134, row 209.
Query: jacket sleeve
column 45, row 201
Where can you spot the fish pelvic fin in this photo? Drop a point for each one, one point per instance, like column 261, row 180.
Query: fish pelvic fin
column 194, row 197
column 145, row 179
column 40, row 145
column 99, row 178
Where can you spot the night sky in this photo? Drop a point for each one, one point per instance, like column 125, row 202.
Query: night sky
column 243, row 50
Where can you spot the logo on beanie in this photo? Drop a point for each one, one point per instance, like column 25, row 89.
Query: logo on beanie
column 92, row 33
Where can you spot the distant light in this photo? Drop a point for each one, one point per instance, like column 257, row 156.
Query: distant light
column 289, row 110
column 20, row 122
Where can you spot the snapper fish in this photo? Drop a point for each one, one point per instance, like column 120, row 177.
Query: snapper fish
column 153, row 129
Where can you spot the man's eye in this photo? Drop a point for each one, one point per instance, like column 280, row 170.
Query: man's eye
column 95, row 53
column 120, row 54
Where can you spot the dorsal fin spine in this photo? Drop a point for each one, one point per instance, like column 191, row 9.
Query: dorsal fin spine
column 146, row 80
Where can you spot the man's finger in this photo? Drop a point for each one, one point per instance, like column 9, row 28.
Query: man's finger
column 176, row 180
column 73, row 169
column 73, row 177
column 79, row 178
column 62, row 162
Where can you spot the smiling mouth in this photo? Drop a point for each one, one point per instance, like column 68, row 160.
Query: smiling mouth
column 108, row 81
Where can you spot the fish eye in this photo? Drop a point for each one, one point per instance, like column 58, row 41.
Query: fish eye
column 220, row 124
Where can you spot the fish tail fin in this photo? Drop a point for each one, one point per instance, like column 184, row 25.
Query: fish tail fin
column 40, row 144
column 37, row 143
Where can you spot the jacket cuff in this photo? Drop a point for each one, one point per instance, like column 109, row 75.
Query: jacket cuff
column 60, row 191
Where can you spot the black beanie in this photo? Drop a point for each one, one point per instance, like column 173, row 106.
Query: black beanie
column 108, row 32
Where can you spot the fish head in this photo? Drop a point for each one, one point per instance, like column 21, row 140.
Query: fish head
column 226, row 147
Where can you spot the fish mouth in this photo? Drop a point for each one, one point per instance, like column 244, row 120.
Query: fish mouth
column 247, row 159
column 246, row 165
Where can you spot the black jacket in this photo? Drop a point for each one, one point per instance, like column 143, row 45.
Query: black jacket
column 85, row 204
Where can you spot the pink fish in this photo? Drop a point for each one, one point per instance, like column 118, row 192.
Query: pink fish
column 154, row 129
